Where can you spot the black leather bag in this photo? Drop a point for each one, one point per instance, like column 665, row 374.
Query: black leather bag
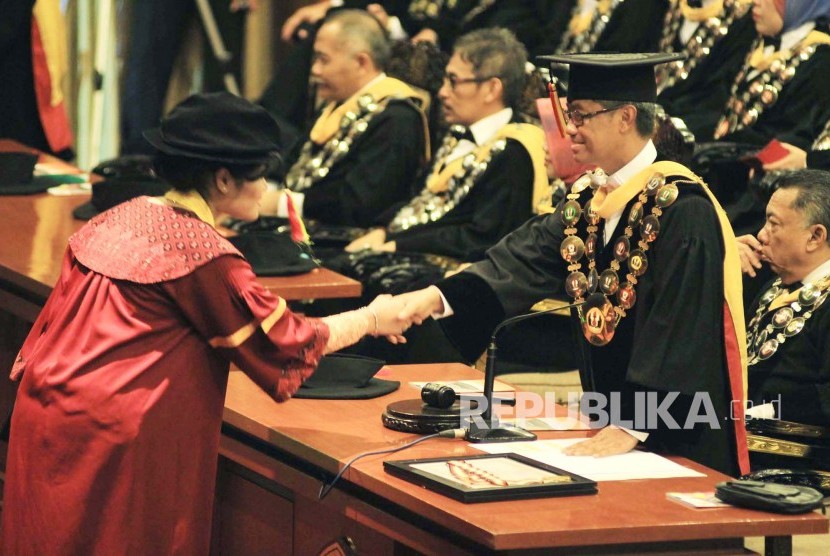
column 771, row 497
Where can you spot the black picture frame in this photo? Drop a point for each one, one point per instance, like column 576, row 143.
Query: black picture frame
column 487, row 477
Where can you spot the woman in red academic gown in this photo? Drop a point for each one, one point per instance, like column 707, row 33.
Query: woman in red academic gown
column 115, row 433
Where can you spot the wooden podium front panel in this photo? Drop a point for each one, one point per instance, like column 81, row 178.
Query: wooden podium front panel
column 249, row 518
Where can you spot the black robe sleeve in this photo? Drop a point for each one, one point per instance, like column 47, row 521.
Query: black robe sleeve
column 520, row 270
column 376, row 173
column 499, row 202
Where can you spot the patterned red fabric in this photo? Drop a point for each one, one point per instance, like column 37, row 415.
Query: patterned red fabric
column 115, row 432
column 123, row 243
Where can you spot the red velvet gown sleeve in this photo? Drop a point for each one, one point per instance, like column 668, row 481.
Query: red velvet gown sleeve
column 250, row 326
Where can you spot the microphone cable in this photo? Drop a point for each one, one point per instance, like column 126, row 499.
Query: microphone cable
column 325, row 488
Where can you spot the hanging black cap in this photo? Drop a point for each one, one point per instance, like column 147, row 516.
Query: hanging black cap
column 627, row 77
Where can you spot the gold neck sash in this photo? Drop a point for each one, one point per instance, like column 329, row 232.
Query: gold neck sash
column 530, row 136
column 193, row 202
column 761, row 62
column 328, row 124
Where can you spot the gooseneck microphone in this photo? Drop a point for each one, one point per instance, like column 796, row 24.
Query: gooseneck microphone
column 488, row 429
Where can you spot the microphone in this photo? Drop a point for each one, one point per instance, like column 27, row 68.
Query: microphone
column 492, row 431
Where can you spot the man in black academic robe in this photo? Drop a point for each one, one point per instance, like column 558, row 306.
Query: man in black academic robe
column 697, row 88
column 778, row 94
column 682, row 338
column 370, row 138
column 795, row 370
column 615, row 26
column 463, row 209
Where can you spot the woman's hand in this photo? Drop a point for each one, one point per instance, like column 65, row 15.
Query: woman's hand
column 420, row 305
column 386, row 312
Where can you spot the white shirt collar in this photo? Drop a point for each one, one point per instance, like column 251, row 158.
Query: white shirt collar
column 795, row 36
column 486, row 127
column 818, row 273
column 644, row 158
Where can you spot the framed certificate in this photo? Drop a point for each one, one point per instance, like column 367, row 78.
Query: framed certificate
column 483, row 478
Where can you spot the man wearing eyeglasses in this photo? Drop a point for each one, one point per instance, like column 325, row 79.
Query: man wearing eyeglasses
column 370, row 137
column 489, row 171
column 653, row 255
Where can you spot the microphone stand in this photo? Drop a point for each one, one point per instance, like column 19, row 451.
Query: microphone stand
column 493, row 430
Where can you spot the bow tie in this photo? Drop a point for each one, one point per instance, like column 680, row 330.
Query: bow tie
column 462, row 132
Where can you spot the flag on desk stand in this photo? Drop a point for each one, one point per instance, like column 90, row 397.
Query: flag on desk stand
column 298, row 231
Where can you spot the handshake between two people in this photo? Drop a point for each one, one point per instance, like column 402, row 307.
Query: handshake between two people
column 396, row 314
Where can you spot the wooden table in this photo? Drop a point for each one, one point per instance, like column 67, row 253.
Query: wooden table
column 275, row 454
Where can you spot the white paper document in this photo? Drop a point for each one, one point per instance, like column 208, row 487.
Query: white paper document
column 547, row 423
column 633, row 465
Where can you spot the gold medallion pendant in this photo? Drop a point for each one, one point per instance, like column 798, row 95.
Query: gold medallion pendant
column 599, row 315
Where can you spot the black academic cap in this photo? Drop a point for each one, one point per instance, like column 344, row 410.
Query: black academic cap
column 125, row 178
column 218, row 127
column 346, row 376
column 17, row 175
column 272, row 253
column 626, row 77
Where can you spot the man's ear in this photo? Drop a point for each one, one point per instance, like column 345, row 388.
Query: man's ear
column 629, row 115
column 495, row 91
column 818, row 237
column 364, row 61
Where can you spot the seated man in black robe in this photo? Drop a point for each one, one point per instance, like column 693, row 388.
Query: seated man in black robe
column 370, row 138
column 612, row 26
column 789, row 335
column 645, row 251
column 715, row 36
column 489, row 172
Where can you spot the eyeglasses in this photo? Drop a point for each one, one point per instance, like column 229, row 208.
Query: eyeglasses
column 454, row 80
column 578, row 118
